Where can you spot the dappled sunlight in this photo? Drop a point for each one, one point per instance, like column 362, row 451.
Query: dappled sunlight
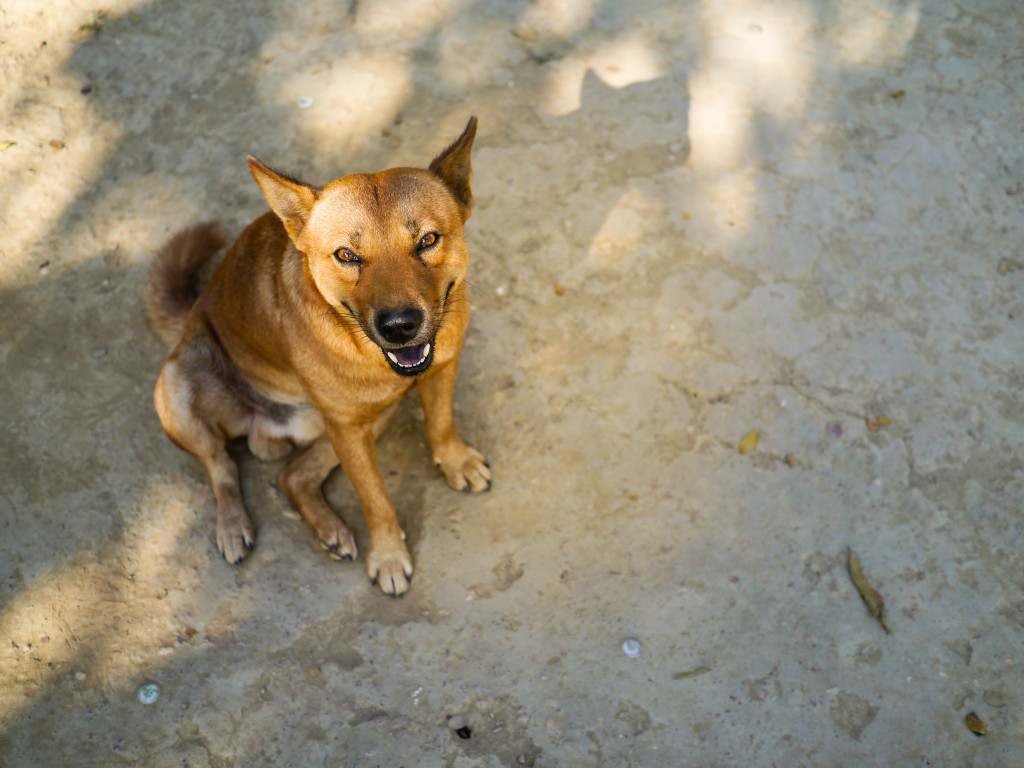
column 407, row 18
column 625, row 229
column 619, row 62
column 103, row 617
column 562, row 18
column 627, row 59
column 869, row 33
column 358, row 94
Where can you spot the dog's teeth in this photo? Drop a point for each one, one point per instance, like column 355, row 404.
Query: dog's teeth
column 394, row 358
column 426, row 351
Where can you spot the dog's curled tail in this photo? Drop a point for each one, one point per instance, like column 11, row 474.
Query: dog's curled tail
column 171, row 290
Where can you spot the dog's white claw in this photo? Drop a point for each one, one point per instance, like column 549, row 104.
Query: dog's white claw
column 394, row 357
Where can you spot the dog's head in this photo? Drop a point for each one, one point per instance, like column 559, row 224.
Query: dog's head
column 385, row 250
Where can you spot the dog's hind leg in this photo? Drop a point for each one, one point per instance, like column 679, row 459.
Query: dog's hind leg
column 180, row 414
column 302, row 482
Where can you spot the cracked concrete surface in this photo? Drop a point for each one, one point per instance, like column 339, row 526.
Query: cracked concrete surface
column 786, row 217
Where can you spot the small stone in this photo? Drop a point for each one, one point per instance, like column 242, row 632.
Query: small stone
column 149, row 693
column 80, row 676
column 86, row 90
column 835, row 429
column 385, row 132
column 631, row 647
column 99, row 352
column 559, row 290
column 57, row 144
column 304, row 102
column 995, row 699
column 791, row 460
column 899, row 94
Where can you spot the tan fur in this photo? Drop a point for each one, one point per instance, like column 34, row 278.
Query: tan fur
column 287, row 343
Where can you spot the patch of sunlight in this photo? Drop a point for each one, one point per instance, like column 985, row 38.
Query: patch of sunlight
column 757, row 63
column 354, row 97
column 40, row 183
column 625, row 228
column 626, row 60
column 104, row 615
column 403, row 18
column 619, row 62
column 873, row 33
column 561, row 18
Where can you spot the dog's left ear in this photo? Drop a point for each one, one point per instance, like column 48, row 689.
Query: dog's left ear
column 454, row 169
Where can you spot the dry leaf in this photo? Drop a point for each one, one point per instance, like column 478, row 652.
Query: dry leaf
column 748, row 443
column 872, row 424
column 526, row 33
column 6, row 145
column 791, row 460
column 873, row 600
column 559, row 289
column 899, row 94
column 883, row 421
column 1008, row 265
column 56, row 143
column 691, row 673
column 975, row 724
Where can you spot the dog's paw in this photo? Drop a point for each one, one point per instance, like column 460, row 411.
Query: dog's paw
column 336, row 538
column 236, row 537
column 390, row 567
column 464, row 467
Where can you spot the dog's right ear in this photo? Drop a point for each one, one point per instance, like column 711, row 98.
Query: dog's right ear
column 290, row 199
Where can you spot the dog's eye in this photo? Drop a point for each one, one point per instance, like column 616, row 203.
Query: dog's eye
column 345, row 256
column 429, row 240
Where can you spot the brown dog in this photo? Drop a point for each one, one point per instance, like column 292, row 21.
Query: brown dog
column 322, row 316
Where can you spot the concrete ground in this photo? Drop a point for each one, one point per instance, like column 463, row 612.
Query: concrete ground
column 694, row 220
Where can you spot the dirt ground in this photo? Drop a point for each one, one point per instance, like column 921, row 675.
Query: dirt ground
column 694, row 220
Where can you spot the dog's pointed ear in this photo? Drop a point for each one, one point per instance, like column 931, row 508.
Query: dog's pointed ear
column 454, row 169
column 290, row 199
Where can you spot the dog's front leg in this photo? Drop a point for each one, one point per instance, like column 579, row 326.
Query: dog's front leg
column 463, row 466
column 387, row 562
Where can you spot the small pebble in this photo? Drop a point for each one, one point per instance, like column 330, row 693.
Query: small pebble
column 631, row 647
column 835, row 429
column 304, row 102
column 99, row 352
column 149, row 693
column 995, row 699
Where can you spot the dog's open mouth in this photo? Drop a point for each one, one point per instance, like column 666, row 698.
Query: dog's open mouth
column 412, row 360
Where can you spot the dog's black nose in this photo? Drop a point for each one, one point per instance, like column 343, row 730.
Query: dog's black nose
column 399, row 326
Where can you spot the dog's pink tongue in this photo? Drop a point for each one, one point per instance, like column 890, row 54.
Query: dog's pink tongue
column 410, row 355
